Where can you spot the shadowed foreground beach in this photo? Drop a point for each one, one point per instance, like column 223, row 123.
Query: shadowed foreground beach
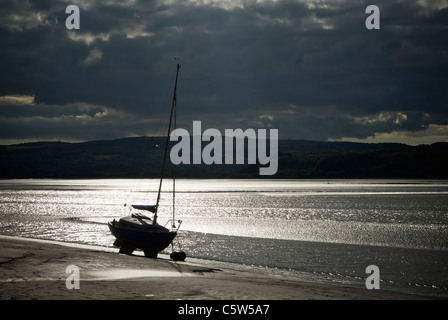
column 35, row 269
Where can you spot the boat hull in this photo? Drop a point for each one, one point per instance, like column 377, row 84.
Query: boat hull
column 151, row 243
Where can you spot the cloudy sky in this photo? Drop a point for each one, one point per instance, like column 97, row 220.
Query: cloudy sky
column 310, row 69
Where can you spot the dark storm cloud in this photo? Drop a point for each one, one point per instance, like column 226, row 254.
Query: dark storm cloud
column 309, row 68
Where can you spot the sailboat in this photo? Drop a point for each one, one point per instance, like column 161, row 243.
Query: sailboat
column 139, row 231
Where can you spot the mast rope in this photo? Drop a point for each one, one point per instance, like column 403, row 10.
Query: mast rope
column 163, row 108
column 166, row 144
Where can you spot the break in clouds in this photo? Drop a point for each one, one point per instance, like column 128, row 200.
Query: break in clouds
column 310, row 69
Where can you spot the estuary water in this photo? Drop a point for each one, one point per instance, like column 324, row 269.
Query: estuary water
column 317, row 230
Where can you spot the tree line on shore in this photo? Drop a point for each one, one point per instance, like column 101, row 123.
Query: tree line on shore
column 141, row 157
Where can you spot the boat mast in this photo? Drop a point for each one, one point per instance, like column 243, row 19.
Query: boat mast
column 173, row 106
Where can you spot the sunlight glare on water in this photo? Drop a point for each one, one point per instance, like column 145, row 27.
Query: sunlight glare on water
column 326, row 230
column 385, row 213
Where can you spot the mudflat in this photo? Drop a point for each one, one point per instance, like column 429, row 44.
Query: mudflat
column 35, row 269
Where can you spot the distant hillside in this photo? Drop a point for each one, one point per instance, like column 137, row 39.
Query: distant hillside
column 142, row 158
column 423, row 162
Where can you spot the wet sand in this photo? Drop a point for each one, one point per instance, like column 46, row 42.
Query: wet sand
column 34, row 269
